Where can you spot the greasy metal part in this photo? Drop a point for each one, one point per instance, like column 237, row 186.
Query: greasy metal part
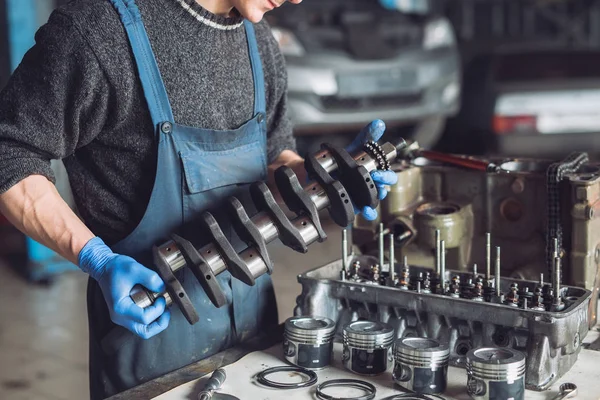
column 172, row 255
column 489, row 284
column 478, row 292
column 214, row 383
column 462, row 161
column 488, row 256
column 496, row 374
column 512, row 298
column 404, row 282
column 497, row 274
column 557, row 303
column 309, row 375
column 392, row 257
column 369, row 389
column 454, row 290
column 566, row 391
column 522, row 230
column 427, row 283
column 308, row 341
column 355, row 270
column 475, row 274
column 454, row 220
column 443, row 265
column 344, row 254
column 381, row 247
column 421, row 365
column 437, row 252
column 538, row 300
column 367, row 347
column 144, row 298
column 375, row 273
column 552, row 348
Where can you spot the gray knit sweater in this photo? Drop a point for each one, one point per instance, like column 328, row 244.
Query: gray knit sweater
column 76, row 96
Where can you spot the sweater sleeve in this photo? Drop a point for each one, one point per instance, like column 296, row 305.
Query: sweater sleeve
column 279, row 126
column 55, row 102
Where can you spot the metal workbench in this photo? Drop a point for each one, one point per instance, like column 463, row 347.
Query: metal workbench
column 244, row 362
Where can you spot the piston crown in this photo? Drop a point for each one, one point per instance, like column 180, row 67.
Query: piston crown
column 368, row 335
column 498, row 364
column 421, row 352
column 310, row 330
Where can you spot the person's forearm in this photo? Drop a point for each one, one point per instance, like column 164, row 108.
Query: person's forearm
column 36, row 209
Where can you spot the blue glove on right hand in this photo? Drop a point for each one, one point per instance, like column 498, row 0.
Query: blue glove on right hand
column 117, row 275
column 373, row 132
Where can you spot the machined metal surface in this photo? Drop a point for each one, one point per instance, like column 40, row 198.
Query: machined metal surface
column 551, row 340
column 421, row 364
column 308, row 341
column 367, row 347
column 496, row 374
column 172, row 255
column 505, row 209
column 566, row 391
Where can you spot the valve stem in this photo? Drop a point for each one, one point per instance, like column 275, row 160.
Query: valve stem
column 498, row 271
column 392, row 257
column 443, row 265
column 344, row 272
column 381, row 246
column 488, row 256
column 437, row 253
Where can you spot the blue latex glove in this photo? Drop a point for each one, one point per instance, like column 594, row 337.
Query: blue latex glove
column 117, row 275
column 374, row 131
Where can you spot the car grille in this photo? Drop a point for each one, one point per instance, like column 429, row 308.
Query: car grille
column 334, row 103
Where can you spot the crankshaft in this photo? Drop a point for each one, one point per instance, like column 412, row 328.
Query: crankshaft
column 350, row 185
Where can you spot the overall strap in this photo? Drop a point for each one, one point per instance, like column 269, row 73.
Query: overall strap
column 257, row 70
column 152, row 83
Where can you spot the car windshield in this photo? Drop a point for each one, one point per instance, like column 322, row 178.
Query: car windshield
column 362, row 29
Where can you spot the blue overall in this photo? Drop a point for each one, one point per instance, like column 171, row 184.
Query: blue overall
column 196, row 168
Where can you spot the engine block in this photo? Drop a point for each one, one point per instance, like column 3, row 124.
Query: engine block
column 512, row 205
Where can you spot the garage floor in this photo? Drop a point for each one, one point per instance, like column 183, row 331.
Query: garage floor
column 43, row 329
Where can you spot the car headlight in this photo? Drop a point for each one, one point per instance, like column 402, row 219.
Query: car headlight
column 438, row 33
column 288, row 43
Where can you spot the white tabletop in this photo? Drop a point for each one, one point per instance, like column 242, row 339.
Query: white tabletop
column 242, row 384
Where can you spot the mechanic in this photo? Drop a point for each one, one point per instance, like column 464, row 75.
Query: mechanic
column 145, row 152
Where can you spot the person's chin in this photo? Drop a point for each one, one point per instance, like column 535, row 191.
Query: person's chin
column 254, row 15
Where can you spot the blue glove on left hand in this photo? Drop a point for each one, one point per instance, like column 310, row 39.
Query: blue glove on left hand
column 117, row 275
column 374, row 131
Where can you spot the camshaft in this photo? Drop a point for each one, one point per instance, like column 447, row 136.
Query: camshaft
column 352, row 184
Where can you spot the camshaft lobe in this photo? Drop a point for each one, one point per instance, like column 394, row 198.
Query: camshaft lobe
column 172, row 255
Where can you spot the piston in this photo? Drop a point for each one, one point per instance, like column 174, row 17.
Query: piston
column 368, row 347
column 421, row 365
column 308, row 341
column 496, row 374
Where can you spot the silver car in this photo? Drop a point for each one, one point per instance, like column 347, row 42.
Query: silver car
column 353, row 61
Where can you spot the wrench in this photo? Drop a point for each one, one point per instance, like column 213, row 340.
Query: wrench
column 566, row 391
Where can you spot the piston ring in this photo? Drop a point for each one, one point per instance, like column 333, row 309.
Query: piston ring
column 353, row 383
column 263, row 380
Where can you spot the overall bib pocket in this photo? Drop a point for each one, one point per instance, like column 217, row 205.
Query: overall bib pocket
column 210, row 177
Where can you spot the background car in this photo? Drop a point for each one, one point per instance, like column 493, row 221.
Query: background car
column 353, row 61
column 542, row 103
